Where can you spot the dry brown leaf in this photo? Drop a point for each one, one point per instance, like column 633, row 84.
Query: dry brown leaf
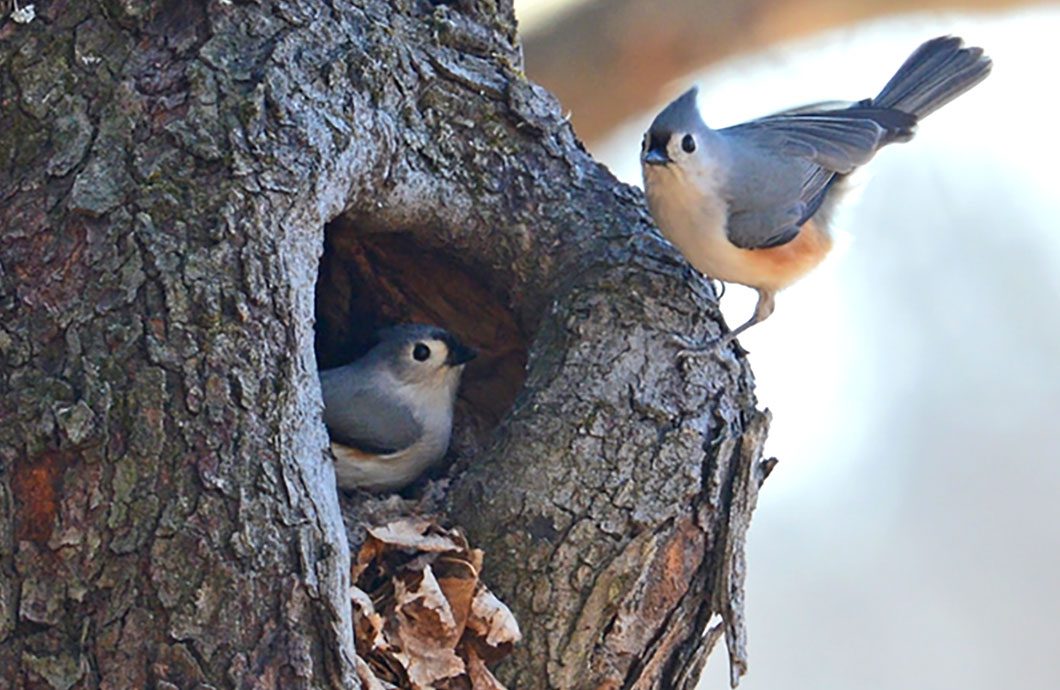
column 423, row 620
column 370, row 681
column 475, row 557
column 422, row 608
column 426, row 665
column 415, row 534
column 459, row 593
column 370, row 550
column 481, row 678
column 426, row 630
column 458, row 580
column 367, row 623
column 456, row 565
column 457, row 683
column 492, row 621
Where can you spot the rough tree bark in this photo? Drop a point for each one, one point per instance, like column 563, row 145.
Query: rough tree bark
column 173, row 174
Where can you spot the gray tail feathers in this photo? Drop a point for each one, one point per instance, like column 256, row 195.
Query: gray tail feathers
column 936, row 73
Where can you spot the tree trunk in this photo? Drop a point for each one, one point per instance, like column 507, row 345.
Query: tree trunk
column 173, row 174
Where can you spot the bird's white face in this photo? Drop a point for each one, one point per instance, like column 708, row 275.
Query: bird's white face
column 426, row 373
column 677, row 144
column 424, row 360
column 679, row 177
column 683, row 183
column 430, row 362
column 678, row 149
column 682, row 159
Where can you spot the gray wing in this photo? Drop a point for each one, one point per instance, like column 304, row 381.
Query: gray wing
column 785, row 164
column 766, row 227
column 838, row 140
column 815, row 107
column 358, row 415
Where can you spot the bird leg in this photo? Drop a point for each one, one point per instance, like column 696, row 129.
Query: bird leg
column 765, row 306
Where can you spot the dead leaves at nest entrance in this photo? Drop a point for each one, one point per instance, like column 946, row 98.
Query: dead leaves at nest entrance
column 423, row 619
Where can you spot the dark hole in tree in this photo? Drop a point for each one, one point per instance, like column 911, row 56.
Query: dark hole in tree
column 371, row 279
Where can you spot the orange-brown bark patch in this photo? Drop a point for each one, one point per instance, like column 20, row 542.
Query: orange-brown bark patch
column 36, row 486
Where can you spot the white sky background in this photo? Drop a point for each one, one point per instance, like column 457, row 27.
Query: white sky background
column 909, row 537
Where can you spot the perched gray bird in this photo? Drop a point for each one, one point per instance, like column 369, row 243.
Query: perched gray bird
column 390, row 413
column 751, row 203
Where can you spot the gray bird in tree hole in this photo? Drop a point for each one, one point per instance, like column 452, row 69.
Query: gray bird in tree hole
column 751, row 203
column 390, row 413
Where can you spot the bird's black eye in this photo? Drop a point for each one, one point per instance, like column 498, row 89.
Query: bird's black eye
column 644, row 142
column 688, row 143
column 421, row 352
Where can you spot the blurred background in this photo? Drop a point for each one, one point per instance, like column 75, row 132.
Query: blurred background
column 910, row 536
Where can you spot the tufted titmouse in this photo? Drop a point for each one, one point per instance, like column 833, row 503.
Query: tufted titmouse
column 390, row 413
column 751, row 203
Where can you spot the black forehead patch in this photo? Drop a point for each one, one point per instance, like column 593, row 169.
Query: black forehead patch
column 658, row 139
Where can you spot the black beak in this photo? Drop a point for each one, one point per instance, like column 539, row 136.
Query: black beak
column 459, row 354
column 655, row 157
